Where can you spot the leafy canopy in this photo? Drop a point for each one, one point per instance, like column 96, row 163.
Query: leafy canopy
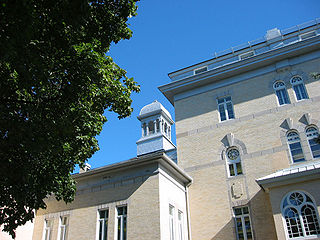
column 56, row 83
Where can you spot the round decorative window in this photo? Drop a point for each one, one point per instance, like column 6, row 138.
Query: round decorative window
column 296, row 198
column 233, row 154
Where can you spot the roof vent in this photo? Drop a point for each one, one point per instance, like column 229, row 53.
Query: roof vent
column 200, row 70
column 246, row 55
column 307, row 35
column 273, row 33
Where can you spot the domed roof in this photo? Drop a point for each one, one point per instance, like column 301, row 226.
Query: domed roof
column 153, row 107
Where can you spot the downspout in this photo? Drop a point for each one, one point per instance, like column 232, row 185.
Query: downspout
column 188, row 212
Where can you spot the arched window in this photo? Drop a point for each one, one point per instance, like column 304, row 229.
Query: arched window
column 144, row 127
column 300, row 215
column 234, row 162
column 151, row 127
column 166, row 128
column 281, row 92
column 299, row 88
column 295, row 147
column 312, row 133
column 158, row 125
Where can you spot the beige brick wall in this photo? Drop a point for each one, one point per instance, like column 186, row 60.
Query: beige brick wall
column 140, row 194
column 259, row 125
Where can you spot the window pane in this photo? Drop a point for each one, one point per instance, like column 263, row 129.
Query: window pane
column 239, row 169
column 230, row 110
column 222, row 112
column 315, row 148
column 231, row 169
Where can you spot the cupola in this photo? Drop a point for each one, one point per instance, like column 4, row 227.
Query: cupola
column 156, row 125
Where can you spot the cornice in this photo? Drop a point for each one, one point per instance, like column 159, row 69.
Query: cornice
column 233, row 69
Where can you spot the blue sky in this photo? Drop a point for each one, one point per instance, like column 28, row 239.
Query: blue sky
column 172, row 34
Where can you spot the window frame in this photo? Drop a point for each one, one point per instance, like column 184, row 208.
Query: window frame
column 311, row 138
column 234, row 162
column 300, row 215
column 46, row 227
column 180, row 225
column 172, row 222
column 303, row 87
column 103, row 220
column 123, row 223
column 64, row 226
column 226, row 100
column 243, row 225
column 293, row 141
column 282, row 90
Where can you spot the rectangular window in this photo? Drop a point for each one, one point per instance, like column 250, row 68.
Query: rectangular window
column 180, row 225
column 48, row 229
column 243, row 223
column 103, row 224
column 225, row 108
column 122, row 222
column 63, row 229
column 171, row 222
column 282, row 96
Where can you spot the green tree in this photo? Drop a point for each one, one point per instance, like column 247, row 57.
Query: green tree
column 56, row 83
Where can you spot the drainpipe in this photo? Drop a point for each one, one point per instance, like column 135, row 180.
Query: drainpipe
column 188, row 212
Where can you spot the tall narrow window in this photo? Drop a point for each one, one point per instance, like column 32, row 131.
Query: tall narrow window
column 299, row 88
column 122, row 222
column 103, row 224
column 151, row 127
column 180, row 225
column 312, row 133
column 63, row 229
column 281, row 92
column 243, row 223
column 171, row 222
column 48, row 229
column 225, row 108
column 295, row 147
column 300, row 215
column 234, row 162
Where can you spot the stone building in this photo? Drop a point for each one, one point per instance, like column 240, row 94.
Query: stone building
column 246, row 165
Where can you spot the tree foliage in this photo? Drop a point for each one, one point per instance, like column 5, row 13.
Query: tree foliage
column 56, row 83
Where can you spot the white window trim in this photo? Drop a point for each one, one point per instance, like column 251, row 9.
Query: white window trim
column 172, row 224
column 278, row 89
column 225, row 109
column 304, row 86
column 233, row 162
column 300, row 217
column 180, row 225
column 116, row 223
column 242, row 221
column 288, row 144
column 65, row 227
column 310, row 138
column 98, row 221
column 45, row 227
